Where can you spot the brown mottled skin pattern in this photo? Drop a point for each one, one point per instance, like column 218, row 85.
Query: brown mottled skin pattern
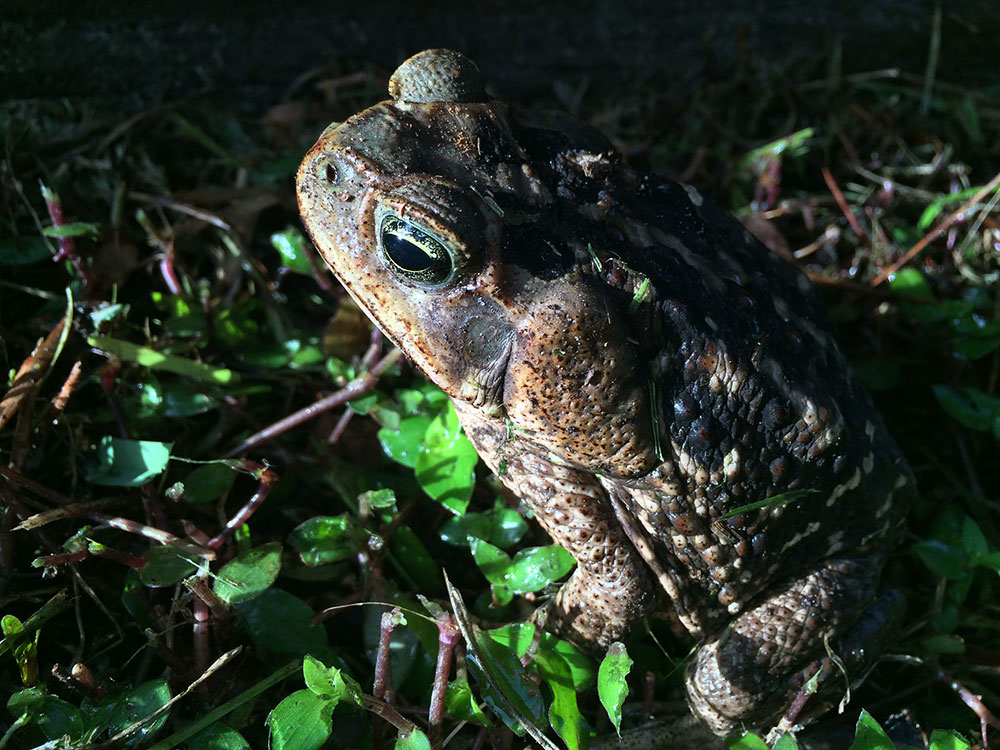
column 635, row 366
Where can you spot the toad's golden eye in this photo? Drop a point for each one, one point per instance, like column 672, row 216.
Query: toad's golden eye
column 413, row 253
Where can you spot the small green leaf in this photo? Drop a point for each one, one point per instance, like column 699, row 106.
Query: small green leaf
column 167, row 565
column 531, row 569
column 23, row 251
column 412, row 740
column 291, row 245
column 911, row 282
column 990, row 561
column 786, row 742
column 411, row 558
column 54, row 717
column 330, row 682
column 302, row 721
column 73, row 229
column 943, row 644
column 325, row 539
column 248, row 575
column 382, row 499
column 869, row 735
column 748, row 741
column 502, row 527
column 948, row 739
column 505, row 682
column 218, row 737
column 120, row 710
column 973, row 540
column 945, row 560
column 446, row 462
column 281, row 624
column 147, row 357
column 938, row 205
column 970, row 407
column 612, row 682
column 460, row 702
column 127, row 463
column 403, row 445
column 208, row 483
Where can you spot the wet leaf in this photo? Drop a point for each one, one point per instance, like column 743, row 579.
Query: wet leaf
column 248, row 575
column 612, row 682
column 325, row 539
column 127, row 463
column 446, row 461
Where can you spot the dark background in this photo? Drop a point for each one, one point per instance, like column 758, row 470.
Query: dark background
column 129, row 54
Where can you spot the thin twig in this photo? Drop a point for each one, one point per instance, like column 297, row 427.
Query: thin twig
column 357, row 387
column 937, row 231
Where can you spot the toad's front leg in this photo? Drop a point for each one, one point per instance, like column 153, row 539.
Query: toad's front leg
column 612, row 587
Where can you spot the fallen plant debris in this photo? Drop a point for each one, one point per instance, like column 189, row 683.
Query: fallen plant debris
column 208, row 501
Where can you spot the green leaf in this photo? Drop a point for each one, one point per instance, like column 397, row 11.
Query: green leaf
column 945, row 560
column 970, row 407
column 786, row 742
column 73, row 229
column 504, row 681
column 412, row 740
column 460, row 702
column 23, row 251
column 381, row 499
column 411, row 558
column 281, row 624
column 911, row 282
column 748, row 741
column 291, row 245
column 932, row 211
column 218, row 737
column 122, row 709
column 248, row 575
column 948, row 739
column 302, row 721
column 973, row 540
column 330, row 682
column 54, row 717
column 270, row 355
column 127, row 463
column 943, row 644
column 990, row 561
column 147, row 357
column 403, row 445
column 208, row 483
column 517, row 636
column 502, row 527
column 325, row 539
column 612, row 682
column 446, row 462
column 531, row 569
column 565, row 717
column 494, row 564
column 869, row 735
column 564, row 713
column 167, row 565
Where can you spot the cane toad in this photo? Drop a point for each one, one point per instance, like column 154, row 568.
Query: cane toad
column 659, row 388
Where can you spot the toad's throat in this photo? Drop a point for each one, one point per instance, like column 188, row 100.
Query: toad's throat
column 486, row 347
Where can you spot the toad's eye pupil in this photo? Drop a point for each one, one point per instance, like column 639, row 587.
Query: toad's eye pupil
column 405, row 254
column 413, row 253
